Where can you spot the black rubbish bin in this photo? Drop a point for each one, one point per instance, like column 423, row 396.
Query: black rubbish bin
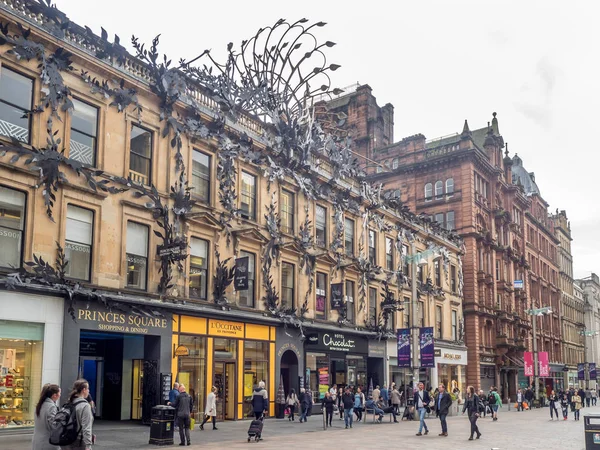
column 592, row 432
column 161, row 425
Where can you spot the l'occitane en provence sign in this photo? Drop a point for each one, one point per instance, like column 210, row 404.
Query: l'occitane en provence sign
column 224, row 328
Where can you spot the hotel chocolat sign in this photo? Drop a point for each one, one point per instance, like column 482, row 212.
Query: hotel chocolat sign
column 122, row 322
column 337, row 342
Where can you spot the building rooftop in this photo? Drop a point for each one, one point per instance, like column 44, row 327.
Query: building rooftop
column 521, row 176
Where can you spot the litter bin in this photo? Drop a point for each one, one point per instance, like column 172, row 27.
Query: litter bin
column 162, row 423
column 592, row 432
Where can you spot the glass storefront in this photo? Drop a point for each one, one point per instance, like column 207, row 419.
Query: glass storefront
column 21, row 350
column 256, row 369
column 326, row 370
column 192, row 371
column 454, row 378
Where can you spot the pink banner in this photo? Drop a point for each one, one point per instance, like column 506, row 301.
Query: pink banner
column 528, row 358
column 544, row 366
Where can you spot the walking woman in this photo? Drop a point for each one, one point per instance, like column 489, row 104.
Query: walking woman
column 553, row 399
column 210, row 412
column 292, row 401
column 576, row 400
column 83, row 414
column 45, row 411
column 564, row 404
column 340, row 404
column 396, row 399
column 472, row 406
column 359, row 404
column 327, row 406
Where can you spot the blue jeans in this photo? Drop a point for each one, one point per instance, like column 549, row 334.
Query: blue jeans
column 422, row 423
column 348, row 415
column 304, row 412
column 443, row 422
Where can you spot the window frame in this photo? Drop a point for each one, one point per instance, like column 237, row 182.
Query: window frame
column 324, row 228
column 437, row 272
column 453, row 280
column 195, row 194
column 287, row 211
column 150, row 159
column 372, row 307
column 439, row 184
column 293, row 287
column 453, row 221
column 454, row 324
column 252, row 216
column 439, row 325
column 372, row 249
column 22, row 246
column 347, row 284
column 30, row 116
column 321, row 314
column 389, row 255
column 253, row 290
column 147, row 257
column 89, row 274
column 428, row 190
column 95, row 149
column 449, row 187
column 207, row 269
column 352, row 250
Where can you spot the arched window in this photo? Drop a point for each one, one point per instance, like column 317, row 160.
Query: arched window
column 450, row 186
column 439, row 189
column 428, row 191
column 395, row 163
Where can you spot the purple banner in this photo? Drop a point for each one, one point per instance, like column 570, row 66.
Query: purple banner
column 593, row 374
column 403, row 347
column 581, row 371
column 427, row 347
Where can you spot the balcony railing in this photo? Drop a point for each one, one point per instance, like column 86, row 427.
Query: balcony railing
column 138, row 177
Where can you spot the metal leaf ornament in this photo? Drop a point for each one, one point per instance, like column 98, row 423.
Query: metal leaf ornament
column 305, row 242
column 122, row 97
column 221, row 281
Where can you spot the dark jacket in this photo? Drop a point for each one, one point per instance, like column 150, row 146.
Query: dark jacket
column 260, row 400
column 472, row 405
column 425, row 395
column 444, row 405
column 348, row 400
column 328, row 404
column 529, row 395
column 183, row 405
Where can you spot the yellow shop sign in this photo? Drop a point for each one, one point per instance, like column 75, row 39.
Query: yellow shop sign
column 226, row 329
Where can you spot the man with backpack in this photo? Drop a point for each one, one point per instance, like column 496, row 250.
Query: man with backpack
column 72, row 425
column 494, row 401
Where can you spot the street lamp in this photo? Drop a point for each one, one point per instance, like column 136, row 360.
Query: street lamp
column 536, row 370
column 587, row 333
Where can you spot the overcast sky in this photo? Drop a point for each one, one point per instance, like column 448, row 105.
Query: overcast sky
column 438, row 62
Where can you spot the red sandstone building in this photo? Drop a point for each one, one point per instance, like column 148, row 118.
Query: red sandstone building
column 467, row 184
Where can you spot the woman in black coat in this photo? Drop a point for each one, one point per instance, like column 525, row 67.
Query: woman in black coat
column 472, row 406
column 327, row 406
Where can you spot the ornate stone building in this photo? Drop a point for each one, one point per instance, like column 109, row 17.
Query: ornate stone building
column 590, row 287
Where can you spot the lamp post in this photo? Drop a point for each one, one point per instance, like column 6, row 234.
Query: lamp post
column 586, row 333
column 536, row 370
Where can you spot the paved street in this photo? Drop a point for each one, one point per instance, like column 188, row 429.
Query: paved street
column 514, row 430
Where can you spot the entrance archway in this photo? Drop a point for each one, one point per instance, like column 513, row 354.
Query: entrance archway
column 289, row 371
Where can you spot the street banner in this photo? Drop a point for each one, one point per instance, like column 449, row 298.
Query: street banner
column 581, row 371
column 544, row 366
column 337, row 295
column 427, row 347
column 403, row 347
column 592, row 367
column 241, row 273
column 528, row 367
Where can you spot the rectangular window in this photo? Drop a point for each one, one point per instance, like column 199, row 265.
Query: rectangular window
column 389, row 254
column 12, row 222
column 406, row 263
column 140, row 157
column 349, row 237
column 454, row 325
column 321, row 299
column 372, row 244
column 248, row 196
column 437, row 270
column 287, row 285
column 498, row 270
column 78, row 242
column 16, row 97
column 439, row 218
column 438, row 322
column 321, row 226
column 350, row 301
column 450, row 225
column 453, row 286
column 198, row 277
column 421, row 314
column 201, row 175
column 406, row 312
column 137, row 255
column 84, row 133
column 287, row 212
column 373, row 306
column 247, row 298
column 420, row 275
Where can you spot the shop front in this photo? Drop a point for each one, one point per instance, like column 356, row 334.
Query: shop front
column 31, row 328
column 290, row 361
column 556, row 379
column 487, row 375
column 450, row 369
column 231, row 356
column 122, row 353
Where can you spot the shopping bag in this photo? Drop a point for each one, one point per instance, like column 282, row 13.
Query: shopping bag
column 525, row 405
column 192, row 423
column 287, row 411
column 516, row 405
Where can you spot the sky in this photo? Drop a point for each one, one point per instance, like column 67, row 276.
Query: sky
column 438, row 62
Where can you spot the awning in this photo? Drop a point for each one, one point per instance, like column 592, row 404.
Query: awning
column 514, row 362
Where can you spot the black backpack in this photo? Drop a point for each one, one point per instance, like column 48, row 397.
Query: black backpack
column 491, row 399
column 65, row 429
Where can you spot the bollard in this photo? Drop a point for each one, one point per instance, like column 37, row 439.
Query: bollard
column 509, row 403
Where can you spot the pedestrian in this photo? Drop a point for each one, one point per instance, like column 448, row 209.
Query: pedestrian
column 594, row 396
column 376, row 393
column 564, row 404
column 553, row 399
column 83, row 415
column 305, row 403
column 327, row 406
column 359, row 404
column 421, row 401
column 383, row 406
column 483, row 405
column 581, row 394
column 443, row 402
column 385, row 396
column 348, row 403
column 520, row 399
column 472, row 406
column 292, row 401
column 260, row 400
column 45, row 411
column 588, row 397
column 396, row 399
column 183, row 411
column 173, row 393
column 577, row 401
column 210, row 412
column 340, row 404
column 333, row 392
column 529, row 397
column 495, row 402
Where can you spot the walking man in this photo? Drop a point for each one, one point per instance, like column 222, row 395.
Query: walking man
column 443, row 402
column 495, row 402
column 348, row 402
column 421, row 399
column 529, row 397
column 520, row 400
column 183, row 409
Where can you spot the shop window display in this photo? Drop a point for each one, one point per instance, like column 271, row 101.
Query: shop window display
column 192, row 371
column 318, row 365
column 21, row 349
column 256, row 369
column 453, row 376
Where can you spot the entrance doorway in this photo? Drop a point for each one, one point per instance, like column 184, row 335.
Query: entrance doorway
column 137, row 393
column 92, row 369
column 225, row 382
column 289, row 372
